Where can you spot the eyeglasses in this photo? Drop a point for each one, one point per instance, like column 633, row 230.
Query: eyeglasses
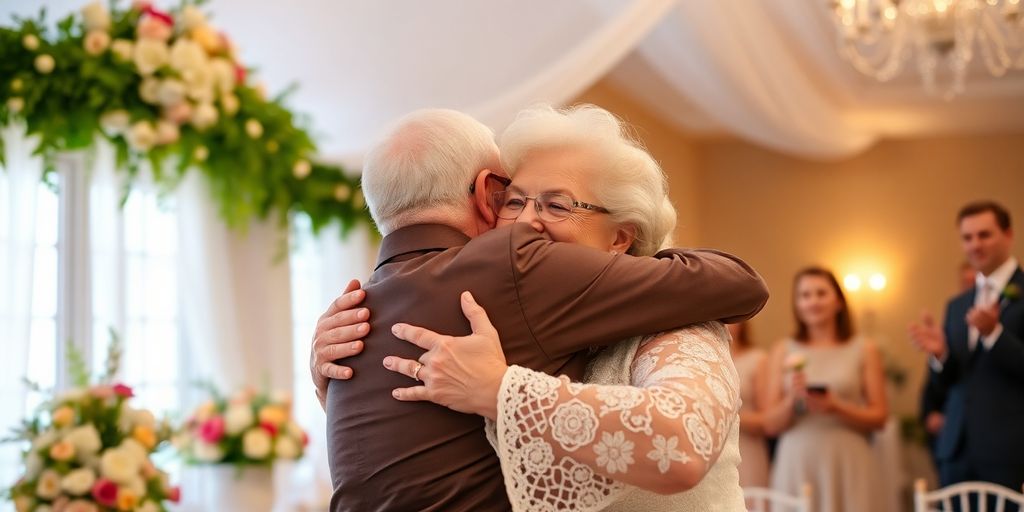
column 551, row 206
column 503, row 181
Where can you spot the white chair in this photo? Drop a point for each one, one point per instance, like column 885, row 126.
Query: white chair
column 761, row 499
column 944, row 497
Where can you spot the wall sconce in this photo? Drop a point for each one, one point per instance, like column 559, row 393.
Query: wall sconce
column 854, row 282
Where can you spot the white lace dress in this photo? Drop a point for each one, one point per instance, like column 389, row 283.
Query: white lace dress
column 649, row 405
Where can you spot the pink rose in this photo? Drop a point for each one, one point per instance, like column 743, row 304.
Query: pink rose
column 123, row 391
column 158, row 14
column 105, row 492
column 178, row 113
column 269, row 427
column 240, row 74
column 102, row 392
column 151, row 27
column 212, row 430
column 174, row 494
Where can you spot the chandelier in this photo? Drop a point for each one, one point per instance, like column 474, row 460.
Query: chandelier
column 879, row 37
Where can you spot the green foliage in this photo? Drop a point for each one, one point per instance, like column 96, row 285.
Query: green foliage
column 250, row 177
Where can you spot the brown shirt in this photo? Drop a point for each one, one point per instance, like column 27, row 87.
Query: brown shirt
column 548, row 301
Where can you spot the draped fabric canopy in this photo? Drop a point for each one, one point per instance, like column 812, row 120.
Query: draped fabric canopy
column 764, row 70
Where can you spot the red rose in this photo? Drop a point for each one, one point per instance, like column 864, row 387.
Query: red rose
column 270, row 428
column 305, row 439
column 158, row 14
column 240, row 74
column 174, row 494
column 105, row 492
column 212, row 430
column 123, row 391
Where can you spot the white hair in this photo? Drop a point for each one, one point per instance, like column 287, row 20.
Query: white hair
column 631, row 184
column 426, row 163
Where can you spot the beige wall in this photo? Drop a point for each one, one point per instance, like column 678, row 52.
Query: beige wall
column 889, row 210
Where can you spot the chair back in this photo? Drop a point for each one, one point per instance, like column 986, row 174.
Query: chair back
column 968, row 496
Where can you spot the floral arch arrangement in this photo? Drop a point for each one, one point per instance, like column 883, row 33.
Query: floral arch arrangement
column 167, row 88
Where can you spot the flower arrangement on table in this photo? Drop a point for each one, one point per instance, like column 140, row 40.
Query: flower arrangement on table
column 89, row 451
column 168, row 88
column 247, row 429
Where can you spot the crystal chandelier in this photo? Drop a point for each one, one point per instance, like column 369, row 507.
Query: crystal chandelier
column 880, row 36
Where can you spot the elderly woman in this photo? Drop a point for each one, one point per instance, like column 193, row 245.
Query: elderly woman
column 657, row 415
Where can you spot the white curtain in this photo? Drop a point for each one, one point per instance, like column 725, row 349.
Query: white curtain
column 321, row 266
column 18, row 184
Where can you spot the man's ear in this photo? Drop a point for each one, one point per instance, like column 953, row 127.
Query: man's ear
column 625, row 235
column 482, row 198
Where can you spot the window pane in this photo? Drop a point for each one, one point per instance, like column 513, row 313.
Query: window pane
column 44, row 282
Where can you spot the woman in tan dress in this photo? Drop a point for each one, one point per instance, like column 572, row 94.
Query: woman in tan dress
column 751, row 364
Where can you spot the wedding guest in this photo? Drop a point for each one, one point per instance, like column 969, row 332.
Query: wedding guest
column 826, row 395
column 977, row 357
column 752, row 365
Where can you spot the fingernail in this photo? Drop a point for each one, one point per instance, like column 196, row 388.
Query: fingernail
column 468, row 297
column 388, row 362
column 346, row 374
column 362, row 328
column 362, row 314
column 394, row 393
column 396, row 329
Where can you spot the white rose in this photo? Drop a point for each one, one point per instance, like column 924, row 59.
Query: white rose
column 44, row 440
column 149, row 90
column 224, row 74
column 115, row 122
column 237, row 418
column 72, row 395
column 30, row 42
column 286, row 448
column 123, row 48
column 23, row 504
column 300, row 170
column 86, row 439
column 142, row 416
column 342, row 192
column 48, row 486
column 15, row 104
column 201, row 153
column 204, row 116
column 141, row 136
column 96, row 16
column 207, row 452
column 167, row 132
column 78, row 482
column 230, row 103
column 199, row 82
column 253, row 128
column 150, row 55
column 137, row 486
column 256, row 444
column 170, row 92
column 186, row 54
column 33, row 465
column 136, row 449
column 43, row 508
column 192, row 17
column 119, row 465
column 95, row 42
column 45, row 64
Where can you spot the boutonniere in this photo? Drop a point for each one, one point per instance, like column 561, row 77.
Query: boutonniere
column 1010, row 293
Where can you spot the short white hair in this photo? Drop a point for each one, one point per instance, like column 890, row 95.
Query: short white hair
column 427, row 161
column 631, row 184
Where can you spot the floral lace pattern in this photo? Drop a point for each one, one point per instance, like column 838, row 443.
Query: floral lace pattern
column 563, row 445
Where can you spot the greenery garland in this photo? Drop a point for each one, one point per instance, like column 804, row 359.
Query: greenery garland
column 167, row 88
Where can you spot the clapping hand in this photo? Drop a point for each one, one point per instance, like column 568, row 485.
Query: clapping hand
column 984, row 318
column 928, row 336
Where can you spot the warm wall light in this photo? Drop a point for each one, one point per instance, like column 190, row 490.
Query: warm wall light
column 877, row 282
column 852, row 282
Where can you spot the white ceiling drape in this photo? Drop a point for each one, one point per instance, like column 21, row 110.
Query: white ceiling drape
column 764, row 70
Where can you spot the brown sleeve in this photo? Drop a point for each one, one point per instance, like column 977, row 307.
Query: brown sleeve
column 574, row 297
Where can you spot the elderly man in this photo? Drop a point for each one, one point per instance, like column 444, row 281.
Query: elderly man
column 428, row 186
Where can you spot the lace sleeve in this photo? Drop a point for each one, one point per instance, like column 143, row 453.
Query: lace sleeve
column 570, row 446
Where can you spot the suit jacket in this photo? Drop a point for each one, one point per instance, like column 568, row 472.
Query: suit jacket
column 549, row 302
column 985, row 388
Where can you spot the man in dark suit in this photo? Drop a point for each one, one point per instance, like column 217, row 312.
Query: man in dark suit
column 977, row 358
